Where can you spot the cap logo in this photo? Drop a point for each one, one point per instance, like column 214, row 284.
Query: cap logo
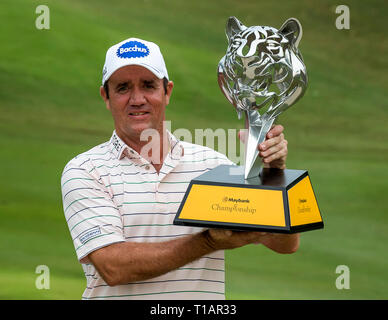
column 132, row 49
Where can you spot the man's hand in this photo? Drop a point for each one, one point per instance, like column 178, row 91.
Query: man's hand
column 221, row 239
column 273, row 150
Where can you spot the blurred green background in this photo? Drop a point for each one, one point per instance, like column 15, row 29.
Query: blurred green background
column 50, row 111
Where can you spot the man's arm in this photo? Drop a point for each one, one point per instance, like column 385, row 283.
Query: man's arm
column 273, row 152
column 126, row 262
column 281, row 243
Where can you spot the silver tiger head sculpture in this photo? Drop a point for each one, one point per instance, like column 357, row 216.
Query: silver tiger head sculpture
column 262, row 74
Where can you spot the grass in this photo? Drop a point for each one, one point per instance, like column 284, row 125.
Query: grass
column 50, row 111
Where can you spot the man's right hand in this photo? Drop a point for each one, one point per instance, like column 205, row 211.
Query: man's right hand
column 221, row 239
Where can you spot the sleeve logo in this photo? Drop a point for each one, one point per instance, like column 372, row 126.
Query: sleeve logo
column 90, row 234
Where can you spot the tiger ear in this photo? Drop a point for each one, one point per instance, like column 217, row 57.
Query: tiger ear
column 292, row 30
column 233, row 26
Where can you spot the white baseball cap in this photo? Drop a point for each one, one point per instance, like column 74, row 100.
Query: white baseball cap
column 134, row 51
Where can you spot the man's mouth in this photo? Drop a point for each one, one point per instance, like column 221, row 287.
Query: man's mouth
column 138, row 113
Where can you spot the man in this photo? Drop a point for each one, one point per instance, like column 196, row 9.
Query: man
column 120, row 198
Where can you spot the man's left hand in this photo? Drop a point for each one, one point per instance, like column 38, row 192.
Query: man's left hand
column 273, row 150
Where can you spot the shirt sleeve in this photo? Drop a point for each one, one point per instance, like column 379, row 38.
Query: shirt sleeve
column 93, row 219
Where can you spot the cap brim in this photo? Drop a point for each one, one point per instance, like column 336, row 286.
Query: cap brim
column 156, row 72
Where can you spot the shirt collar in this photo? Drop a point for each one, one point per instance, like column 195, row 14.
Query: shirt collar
column 176, row 149
column 117, row 145
column 119, row 149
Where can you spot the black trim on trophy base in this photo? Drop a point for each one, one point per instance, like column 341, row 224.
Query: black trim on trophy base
column 286, row 210
column 307, row 227
column 270, row 178
column 231, row 226
column 248, row 227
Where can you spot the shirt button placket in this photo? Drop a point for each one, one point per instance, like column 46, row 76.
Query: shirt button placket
column 159, row 196
column 151, row 176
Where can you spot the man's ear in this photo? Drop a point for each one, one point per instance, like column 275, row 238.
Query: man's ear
column 170, row 86
column 104, row 97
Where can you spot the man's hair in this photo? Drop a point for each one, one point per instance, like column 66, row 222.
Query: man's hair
column 106, row 86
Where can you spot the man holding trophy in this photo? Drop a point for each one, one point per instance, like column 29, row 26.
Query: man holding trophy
column 120, row 202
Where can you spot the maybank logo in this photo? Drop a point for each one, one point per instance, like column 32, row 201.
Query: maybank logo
column 229, row 199
column 133, row 49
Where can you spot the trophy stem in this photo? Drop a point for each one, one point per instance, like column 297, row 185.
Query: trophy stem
column 257, row 130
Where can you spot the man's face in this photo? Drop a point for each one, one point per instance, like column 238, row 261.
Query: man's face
column 137, row 101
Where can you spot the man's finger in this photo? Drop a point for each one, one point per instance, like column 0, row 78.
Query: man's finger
column 243, row 135
column 280, row 155
column 271, row 142
column 271, row 150
column 275, row 131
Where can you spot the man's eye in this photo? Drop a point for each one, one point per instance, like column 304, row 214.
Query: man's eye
column 122, row 89
column 149, row 85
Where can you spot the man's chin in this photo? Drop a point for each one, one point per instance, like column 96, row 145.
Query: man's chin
column 142, row 132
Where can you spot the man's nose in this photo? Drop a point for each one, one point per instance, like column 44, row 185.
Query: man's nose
column 137, row 97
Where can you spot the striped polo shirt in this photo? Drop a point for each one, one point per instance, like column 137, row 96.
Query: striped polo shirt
column 112, row 194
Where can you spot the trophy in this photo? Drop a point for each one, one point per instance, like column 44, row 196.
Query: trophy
column 262, row 74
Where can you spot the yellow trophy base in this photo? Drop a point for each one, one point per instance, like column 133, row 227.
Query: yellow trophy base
column 278, row 201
